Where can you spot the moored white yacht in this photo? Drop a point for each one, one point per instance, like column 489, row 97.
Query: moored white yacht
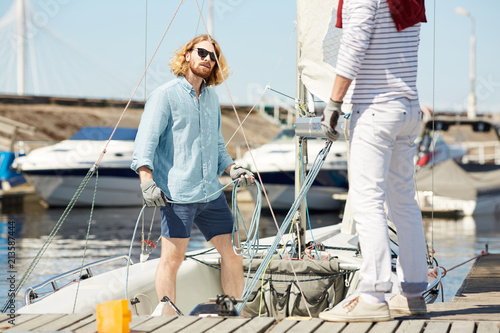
column 57, row 170
column 276, row 164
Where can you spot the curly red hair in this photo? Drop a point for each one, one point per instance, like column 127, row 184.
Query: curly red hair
column 179, row 65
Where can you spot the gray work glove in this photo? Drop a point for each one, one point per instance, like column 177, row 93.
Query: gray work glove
column 238, row 172
column 330, row 118
column 152, row 195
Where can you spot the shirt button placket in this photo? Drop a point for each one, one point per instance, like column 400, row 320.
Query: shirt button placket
column 203, row 170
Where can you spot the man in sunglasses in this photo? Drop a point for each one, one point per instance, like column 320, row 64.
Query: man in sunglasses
column 376, row 72
column 179, row 154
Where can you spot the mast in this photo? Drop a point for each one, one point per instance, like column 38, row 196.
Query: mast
column 210, row 20
column 300, row 146
column 21, row 50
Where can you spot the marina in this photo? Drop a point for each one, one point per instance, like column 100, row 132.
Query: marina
column 475, row 309
column 303, row 253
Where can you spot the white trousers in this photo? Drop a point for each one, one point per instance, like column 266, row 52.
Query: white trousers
column 381, row 170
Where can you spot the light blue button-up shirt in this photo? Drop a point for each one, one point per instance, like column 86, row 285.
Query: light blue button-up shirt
column 180, row 139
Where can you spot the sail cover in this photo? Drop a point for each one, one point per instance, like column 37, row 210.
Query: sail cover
column 318, row 42
column 461, row 181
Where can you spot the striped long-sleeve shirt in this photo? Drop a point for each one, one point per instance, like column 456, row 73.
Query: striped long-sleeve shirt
column 381, row 60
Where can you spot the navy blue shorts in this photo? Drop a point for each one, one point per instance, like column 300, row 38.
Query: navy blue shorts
column 212, row 218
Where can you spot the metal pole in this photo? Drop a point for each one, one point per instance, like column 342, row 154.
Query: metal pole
column 471, row 110
column 210, row 21
column 21, row 51
column 300, row 146
column 471, row 113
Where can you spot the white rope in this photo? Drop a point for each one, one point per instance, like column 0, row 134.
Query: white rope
column 268, row 85
column 130, row 251
column 138, row 84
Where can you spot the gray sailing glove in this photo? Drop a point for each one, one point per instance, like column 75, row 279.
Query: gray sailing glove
column 237, row 172
column 152, row 195
column 330, row 118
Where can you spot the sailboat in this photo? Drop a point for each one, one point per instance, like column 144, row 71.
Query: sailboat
column 298, row 272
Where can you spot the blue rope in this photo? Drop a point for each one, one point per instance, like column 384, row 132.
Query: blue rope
column 307, row 206
column 250, row 247
column 318, row 163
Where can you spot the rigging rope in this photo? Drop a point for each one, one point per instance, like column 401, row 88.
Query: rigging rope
column 445, row 271
column 318, row 163
column 250, row 247
column 49, row 239
column 87, row 237
column 138, row 84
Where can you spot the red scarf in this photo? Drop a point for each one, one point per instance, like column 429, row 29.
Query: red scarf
column 405, row 13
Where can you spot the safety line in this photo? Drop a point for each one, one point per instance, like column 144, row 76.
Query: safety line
column 87, row 237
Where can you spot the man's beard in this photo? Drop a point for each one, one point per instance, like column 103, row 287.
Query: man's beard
column 200, row 71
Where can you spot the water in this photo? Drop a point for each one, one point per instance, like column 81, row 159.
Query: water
column 111, row 229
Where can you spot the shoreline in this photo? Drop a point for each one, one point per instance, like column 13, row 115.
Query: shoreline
column 55, row 122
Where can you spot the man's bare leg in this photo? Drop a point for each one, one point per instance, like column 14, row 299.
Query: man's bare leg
column 172, row 256
column 231, row 266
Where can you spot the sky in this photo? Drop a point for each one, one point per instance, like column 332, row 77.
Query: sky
column 101, row 47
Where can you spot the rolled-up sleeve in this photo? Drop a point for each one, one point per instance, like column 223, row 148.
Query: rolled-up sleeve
column 153, row 123
column 358, row 21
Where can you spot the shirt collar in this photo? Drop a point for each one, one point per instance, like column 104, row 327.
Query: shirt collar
column 189, row 87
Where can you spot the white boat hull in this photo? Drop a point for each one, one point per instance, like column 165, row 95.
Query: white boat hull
column 112, row 190
column 57, row 171
column 111, row 286
column 483, row 205
column 196, row 282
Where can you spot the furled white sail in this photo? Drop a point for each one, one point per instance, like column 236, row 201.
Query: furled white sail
column 319, row 41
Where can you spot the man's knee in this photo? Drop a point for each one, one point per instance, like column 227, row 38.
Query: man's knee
column 171, row 261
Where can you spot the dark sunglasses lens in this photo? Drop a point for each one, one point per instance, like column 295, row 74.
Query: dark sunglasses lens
column 202, row 53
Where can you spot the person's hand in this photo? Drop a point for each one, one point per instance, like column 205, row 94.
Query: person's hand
column 244, row 176
column 152, row 195
column 330, row 118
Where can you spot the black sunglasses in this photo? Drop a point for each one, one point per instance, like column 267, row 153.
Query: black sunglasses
column 202, row 53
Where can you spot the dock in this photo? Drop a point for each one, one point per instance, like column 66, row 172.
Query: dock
column 475, row 309
column 19, row 197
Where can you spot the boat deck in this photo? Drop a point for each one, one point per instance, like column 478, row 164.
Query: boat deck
column 475, row 309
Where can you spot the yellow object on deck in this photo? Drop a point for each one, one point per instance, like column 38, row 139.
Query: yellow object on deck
column 113, row 317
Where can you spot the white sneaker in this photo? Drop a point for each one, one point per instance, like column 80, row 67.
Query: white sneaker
column 407, row 305
column 357, row 310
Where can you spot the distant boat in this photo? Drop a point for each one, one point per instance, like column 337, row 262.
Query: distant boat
column 276, row 164
column 57, row 170
column 460, row 173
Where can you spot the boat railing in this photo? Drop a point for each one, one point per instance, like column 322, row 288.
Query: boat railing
column 30, row 296
column 432, row 292
column 481, row 152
